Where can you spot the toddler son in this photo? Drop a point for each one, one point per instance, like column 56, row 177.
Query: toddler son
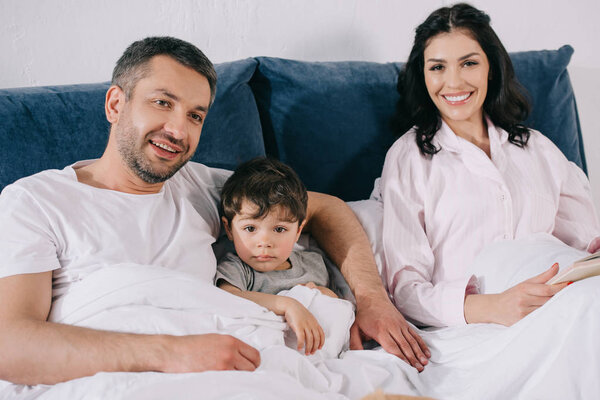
column 264, row 210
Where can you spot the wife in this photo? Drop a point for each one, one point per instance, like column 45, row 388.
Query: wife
column 465, row 173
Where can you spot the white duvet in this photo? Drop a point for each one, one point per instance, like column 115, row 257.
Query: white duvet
column 554, row 353
column 143, row 299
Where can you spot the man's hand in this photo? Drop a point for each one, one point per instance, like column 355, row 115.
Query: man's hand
column 26, row 338
column 379, row 319
column 341, row 235
column 308, row 331
column 513, row 304
column 197, row 353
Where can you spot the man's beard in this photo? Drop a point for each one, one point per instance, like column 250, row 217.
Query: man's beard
column 138, row 162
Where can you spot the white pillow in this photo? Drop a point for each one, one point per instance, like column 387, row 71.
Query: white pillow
column 370, row 214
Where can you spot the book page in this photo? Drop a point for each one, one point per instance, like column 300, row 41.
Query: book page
column 581, row 269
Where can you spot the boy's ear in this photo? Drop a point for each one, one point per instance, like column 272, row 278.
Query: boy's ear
column 300, row 229
column 227, row 228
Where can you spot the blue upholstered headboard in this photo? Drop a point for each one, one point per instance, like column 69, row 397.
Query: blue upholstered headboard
column 328, row 120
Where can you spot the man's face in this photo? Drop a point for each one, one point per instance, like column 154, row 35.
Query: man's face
column 158, row 128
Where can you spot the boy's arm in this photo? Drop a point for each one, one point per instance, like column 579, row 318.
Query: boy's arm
column 336, row 228
column 36, row 351
column 277, row 304
column 303, row 323
column 324, row 290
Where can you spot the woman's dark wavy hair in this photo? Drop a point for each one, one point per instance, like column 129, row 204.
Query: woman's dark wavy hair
column 505, row 103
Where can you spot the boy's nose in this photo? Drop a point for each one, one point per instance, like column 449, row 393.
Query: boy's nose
column 264, row 242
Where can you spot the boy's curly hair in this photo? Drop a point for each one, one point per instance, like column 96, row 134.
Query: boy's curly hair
column 266, row 183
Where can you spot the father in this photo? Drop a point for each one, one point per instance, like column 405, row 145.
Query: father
column 142, row 203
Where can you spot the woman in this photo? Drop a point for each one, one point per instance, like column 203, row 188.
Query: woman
column 465, row 173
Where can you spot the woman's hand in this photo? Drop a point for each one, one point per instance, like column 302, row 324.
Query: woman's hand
column 513, row 304
column 309, row 333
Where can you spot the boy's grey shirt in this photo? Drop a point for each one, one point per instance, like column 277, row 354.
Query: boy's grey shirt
column 306, row 266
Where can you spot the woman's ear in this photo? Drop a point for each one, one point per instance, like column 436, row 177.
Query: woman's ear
column 113, row 104
column 227, row 228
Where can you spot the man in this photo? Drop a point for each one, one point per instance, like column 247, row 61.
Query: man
column 141, row 203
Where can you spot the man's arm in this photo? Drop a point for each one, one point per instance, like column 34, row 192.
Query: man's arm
column 35, row 351
column 336, row 228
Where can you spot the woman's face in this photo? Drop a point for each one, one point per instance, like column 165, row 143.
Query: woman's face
column 456, row 75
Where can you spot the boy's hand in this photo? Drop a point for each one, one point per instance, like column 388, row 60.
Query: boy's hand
column 324, row 290
column 308, row 331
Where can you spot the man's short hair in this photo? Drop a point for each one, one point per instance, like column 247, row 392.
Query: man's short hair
column 134, row 63
column 266, row 183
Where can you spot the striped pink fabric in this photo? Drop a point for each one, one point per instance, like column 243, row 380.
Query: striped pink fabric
column 438, row 213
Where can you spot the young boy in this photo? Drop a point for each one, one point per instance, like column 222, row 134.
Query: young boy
column 264, row 205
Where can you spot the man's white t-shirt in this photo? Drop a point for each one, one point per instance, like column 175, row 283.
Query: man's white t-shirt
column 50, row 221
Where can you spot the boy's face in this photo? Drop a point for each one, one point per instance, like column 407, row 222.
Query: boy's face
column 263, row 243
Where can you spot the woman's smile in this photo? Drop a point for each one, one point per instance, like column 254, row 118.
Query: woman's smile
column 457, row 99
column 456, row 74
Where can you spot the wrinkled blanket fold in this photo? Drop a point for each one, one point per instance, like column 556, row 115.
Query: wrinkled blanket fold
column 550, row 354
column 154, row 300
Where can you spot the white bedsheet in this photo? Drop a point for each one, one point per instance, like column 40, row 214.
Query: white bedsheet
column 553, row 353
column 142, row 299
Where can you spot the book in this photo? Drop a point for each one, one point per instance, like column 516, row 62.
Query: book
column 580, row 269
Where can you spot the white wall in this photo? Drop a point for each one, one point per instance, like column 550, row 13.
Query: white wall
column 74, row 41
